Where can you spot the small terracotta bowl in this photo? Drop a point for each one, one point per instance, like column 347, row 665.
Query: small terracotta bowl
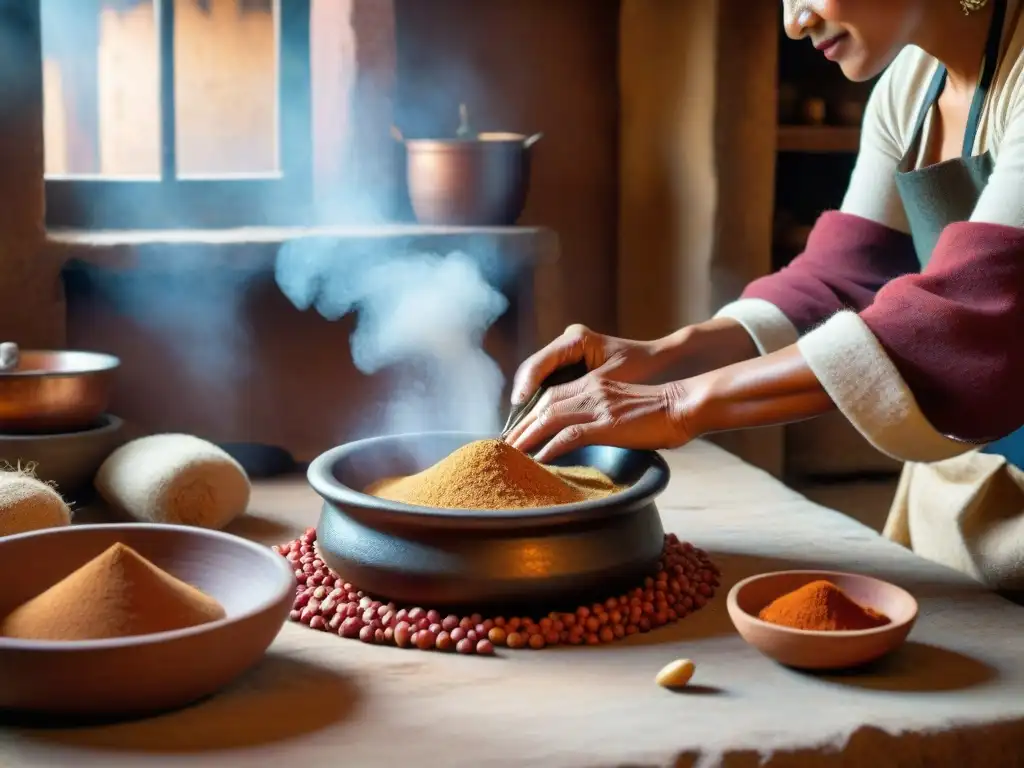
column 805, row 649
column 139, row 675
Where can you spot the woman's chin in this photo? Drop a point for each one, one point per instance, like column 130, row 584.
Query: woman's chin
column 860, row 69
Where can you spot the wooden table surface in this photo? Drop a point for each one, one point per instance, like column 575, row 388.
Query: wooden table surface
column 954, row 695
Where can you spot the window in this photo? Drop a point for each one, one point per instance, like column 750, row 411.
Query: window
column 176, row 113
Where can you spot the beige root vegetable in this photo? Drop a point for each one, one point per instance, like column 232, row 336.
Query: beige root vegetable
column 676, row 674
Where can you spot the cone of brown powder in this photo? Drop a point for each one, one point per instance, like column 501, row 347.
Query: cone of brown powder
column 491, row 474
column 116, row 594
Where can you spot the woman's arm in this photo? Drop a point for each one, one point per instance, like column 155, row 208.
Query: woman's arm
column 853, row 252
column 778, row 388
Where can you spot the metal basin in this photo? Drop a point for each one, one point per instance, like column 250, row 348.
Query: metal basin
column 55, row 391
column 552, row 556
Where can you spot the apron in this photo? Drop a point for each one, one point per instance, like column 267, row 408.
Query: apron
column 966, row 512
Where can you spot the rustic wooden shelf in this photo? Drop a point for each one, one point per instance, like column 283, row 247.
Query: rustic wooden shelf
column 818, row 138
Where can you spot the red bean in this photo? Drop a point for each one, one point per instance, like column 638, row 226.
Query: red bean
column 425, row 639
column 350, row 627
column 415, row 614
column 403, row 634
column 515, row 640
column 484, row 648
column 295, row 614
column 444, row 641
column 449, row 622
column 366, row 634
column 458, row 634
column 465, row 645
column 537, row 641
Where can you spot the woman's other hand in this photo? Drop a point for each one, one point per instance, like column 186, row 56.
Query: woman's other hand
column 597, row 410
column 607, row 356
column 689, row 351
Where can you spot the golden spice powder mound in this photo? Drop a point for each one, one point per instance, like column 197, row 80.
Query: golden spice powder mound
column 491, row 474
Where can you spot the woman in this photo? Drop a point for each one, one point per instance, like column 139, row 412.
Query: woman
column 905, row 311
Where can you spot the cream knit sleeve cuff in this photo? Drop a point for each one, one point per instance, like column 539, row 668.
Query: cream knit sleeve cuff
column 865, row 385
column 767, row 325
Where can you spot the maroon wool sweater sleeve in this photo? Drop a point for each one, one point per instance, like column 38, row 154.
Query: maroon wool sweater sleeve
column 955, row 332
column 846, row 261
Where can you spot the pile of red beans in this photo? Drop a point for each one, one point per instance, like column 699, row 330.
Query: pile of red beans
column 685, row 579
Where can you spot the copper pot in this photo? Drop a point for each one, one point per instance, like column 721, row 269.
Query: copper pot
column 478, row 181
column 55, row 391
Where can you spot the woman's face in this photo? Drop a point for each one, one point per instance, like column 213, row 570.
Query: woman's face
column 861, row 36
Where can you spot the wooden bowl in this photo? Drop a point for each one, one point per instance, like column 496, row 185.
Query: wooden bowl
column 147, row 673
column 805, row 649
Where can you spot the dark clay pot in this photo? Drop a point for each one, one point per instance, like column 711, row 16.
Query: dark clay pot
column 551, row 556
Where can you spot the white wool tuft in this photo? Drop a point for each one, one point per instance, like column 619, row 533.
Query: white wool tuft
column 27, row 504
column 176, row 479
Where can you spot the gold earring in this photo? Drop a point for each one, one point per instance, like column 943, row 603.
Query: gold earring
column 970, row 6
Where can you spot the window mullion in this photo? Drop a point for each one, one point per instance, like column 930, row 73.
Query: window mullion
column 168, row 120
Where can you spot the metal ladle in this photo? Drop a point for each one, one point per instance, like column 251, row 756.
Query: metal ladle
column 561, row 376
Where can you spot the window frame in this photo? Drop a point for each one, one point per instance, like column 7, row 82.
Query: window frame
column 169, row 202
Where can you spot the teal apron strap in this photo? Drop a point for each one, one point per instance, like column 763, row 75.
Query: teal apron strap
column 988, row 74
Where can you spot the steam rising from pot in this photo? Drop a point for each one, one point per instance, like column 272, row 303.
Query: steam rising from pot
column 422, row 316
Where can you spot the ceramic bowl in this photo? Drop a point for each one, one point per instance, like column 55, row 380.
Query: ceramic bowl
column 804, row 649
column 148, row 673
column 69, row 460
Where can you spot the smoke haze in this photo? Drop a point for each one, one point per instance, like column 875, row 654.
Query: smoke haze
column 421, row 313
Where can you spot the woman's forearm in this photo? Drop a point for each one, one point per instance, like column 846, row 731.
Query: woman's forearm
column 703, row 347
column 775, row 389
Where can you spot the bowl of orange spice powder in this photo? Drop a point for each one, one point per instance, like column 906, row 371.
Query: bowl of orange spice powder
column 821, row 620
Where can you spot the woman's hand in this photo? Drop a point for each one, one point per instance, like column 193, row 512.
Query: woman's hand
column 601, row 411
column 689, row 351
column 607, row 356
